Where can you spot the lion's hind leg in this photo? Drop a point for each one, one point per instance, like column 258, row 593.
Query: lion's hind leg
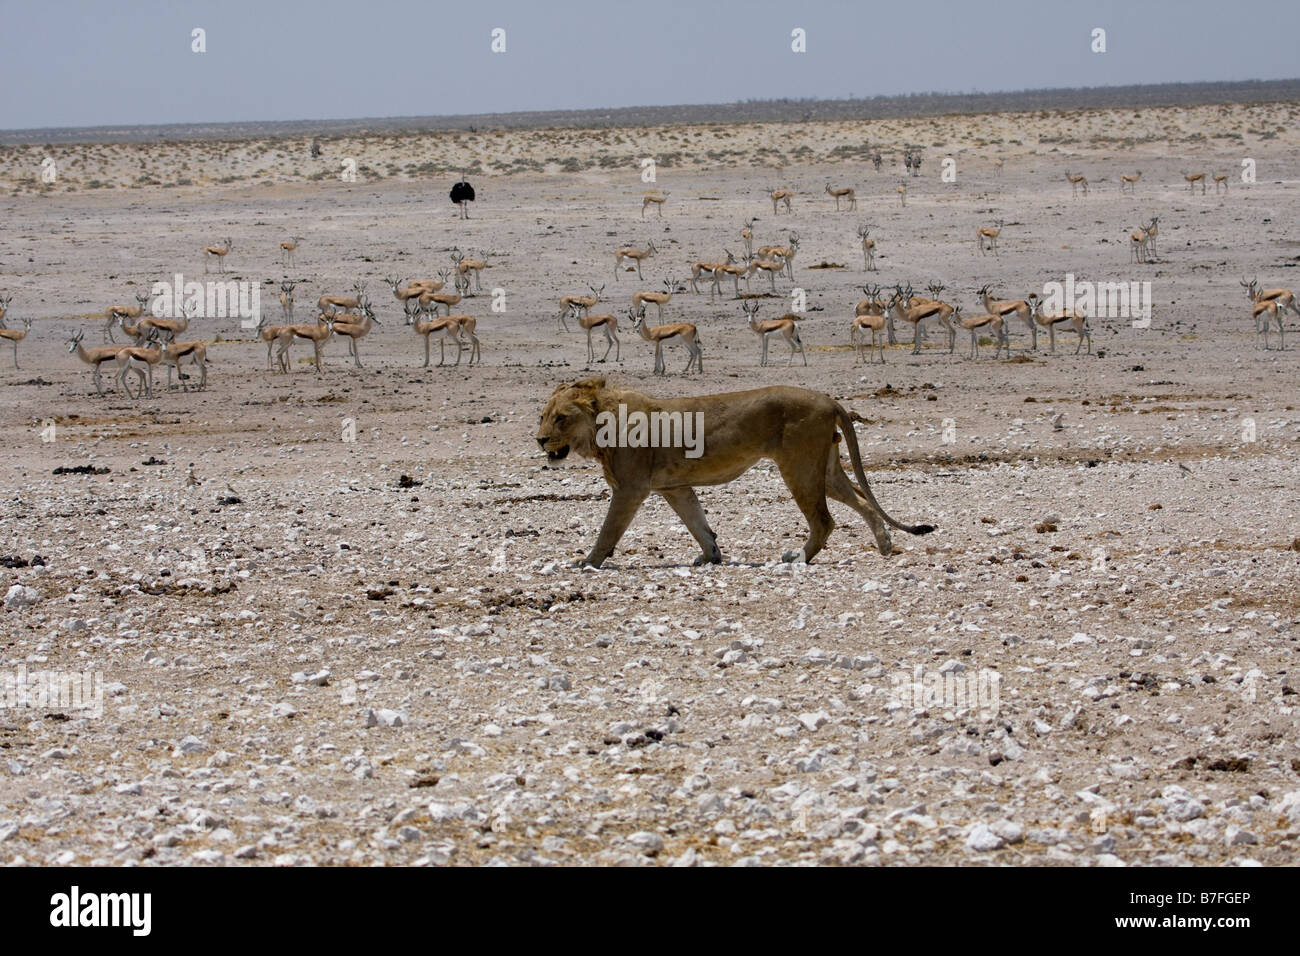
column 839, row 487
column 688, row 508
column 809, row 491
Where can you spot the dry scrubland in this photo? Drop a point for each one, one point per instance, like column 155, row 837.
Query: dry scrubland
column 377, row 653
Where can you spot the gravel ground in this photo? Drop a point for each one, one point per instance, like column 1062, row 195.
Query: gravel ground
column 318, row 651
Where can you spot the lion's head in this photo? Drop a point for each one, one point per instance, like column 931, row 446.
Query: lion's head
column 569, row 420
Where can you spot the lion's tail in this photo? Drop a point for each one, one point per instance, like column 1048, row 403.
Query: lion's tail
column 851, row 439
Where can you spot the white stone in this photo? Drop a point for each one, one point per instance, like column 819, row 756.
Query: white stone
column 20, row 595
column 982, row 838
column 814, row 720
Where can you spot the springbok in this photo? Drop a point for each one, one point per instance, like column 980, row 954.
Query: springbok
column 95, row 358
column 784, row 326
column 919, row 313
column 16, row 335
column 1074, row 318
column 1285, row 298
column 465, row 325
column 698, row 269
column 987, row 236
column 355, row 327
column 271, row 335
column 784, row 253
column 584, row 302
column 115, row 314
column 976, row 323
column 1142, row 241
column 607, row 324
column 660, row 334
column 315, row 334
column 336, row 303
column 220, row 252
column 1152, row 231
column 772, row 267
column 632, row 255
column 177, row 354
column 734, row 269
column 140, row 360
column 654, row 199
column 166, row 327
column 1265, row 311
column 286, row 301
column 868, row 247
column 847, row 192
column 872, row 318
column 412, row 290
column 1007, row 308
column 465, row 266
column 426, row 324
column 659, row 299
column 288, row 248
column 447, row 299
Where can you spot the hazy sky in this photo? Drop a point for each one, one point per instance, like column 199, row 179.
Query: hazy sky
column 99, row 62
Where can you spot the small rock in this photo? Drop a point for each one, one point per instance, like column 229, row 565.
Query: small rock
column 982, row 838
column 814, row 720
column 20, row 595
column 1010, row 831
column 647, row 842
column 383, row 718
column 1236, row 836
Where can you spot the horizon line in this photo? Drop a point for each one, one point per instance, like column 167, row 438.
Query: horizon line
column 1288, row 89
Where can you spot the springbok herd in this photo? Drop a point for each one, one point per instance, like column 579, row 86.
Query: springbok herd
column 427, row 304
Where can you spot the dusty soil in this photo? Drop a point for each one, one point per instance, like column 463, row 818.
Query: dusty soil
column 379, row 654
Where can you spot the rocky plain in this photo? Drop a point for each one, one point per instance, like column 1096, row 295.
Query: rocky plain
column 334, row 620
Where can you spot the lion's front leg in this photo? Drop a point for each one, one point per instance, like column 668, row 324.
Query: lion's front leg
column 622, row 508
column 688, row 508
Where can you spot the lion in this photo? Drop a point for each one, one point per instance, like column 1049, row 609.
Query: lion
column 798, row 429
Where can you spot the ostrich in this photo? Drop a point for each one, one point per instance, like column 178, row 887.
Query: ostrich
column 461, row 194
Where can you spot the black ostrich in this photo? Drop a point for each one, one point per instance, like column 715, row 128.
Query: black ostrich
column 461, row 194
